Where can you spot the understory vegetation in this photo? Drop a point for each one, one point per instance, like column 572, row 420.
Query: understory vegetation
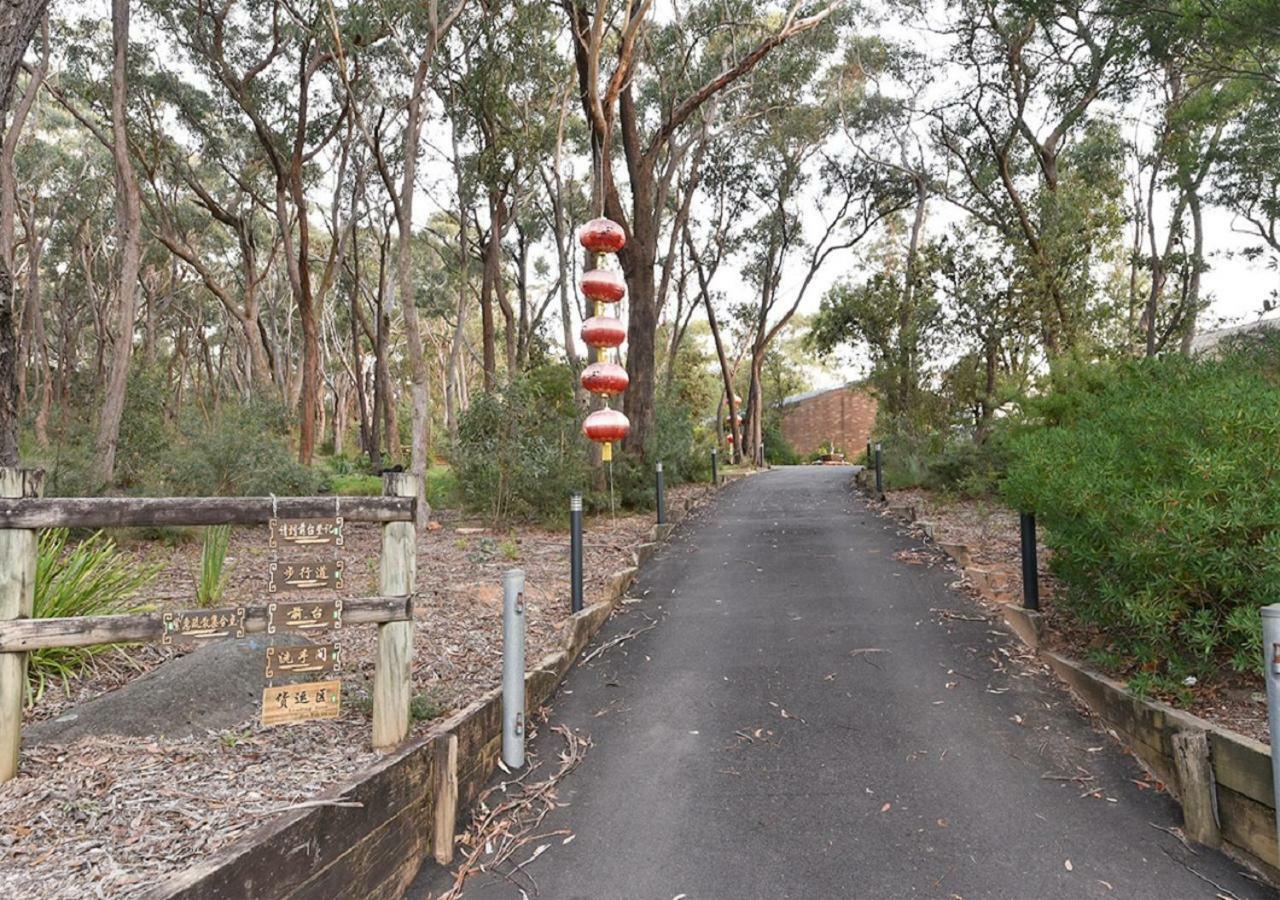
column 1155, row 485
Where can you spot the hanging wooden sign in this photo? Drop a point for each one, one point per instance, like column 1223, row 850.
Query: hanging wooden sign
column 321, row 575
column 310, row 659
column 303, row 616
column 306, row 532
column 204, row 624
column 303, row 702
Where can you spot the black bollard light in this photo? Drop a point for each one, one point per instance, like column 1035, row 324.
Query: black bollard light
column 1030, row 570
column 715, row 478
column 879, row 475
column 662, row 507
column 575, row 552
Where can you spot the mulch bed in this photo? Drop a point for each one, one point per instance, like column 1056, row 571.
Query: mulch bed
column 991, row 533
column 113, row 818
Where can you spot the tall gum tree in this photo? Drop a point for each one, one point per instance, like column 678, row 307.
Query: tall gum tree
column 649, row 99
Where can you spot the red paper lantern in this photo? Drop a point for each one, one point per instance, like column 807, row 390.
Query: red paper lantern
column 606, row 425
column 603, row 286
column 603, row 331
column 602, row 236
column 605, row 378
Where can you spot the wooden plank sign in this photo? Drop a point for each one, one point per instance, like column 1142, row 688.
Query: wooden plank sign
column 303, row 616
column 204, row 624
column 323, row 575
column 312, row 659
column 303, row 702
column 306, row 532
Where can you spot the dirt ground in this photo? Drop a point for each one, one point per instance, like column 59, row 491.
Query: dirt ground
column 111, row 818
column 991, row 533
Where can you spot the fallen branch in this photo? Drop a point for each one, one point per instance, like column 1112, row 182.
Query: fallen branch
column 620, row 639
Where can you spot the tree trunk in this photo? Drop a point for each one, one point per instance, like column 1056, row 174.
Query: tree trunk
column 129, row 237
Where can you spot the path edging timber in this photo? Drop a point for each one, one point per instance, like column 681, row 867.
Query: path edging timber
column 1221, row 778
column 376, row 848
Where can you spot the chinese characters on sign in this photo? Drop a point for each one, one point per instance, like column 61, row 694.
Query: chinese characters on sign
column 313, row 659
column 304, row 576
column 287, row 703
column 303, row 616
column 306, row 532
column 203, row 624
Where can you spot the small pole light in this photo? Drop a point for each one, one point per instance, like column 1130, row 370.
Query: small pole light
column 575, row 553
column 1030, row 568
column 1271, row 651
column 662, row 509
column 513, row 627
column 715, row 478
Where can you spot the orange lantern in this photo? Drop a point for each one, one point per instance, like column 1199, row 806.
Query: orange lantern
column 605, row 378
column 603, row 331
column 603, row 286
column 602, row 236
column 606, row 425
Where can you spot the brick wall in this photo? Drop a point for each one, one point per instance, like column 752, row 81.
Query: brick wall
column 844, row 415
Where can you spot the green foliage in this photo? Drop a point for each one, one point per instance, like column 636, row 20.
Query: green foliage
column 89, row 578
column 1157, row 485
column 519, row 452
column 355, row 485
column 242, row 450
column 777, row 449
column 213, row 557
column 683, row 449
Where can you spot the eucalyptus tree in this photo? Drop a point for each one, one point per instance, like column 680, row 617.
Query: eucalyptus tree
column 18, row 23
column 646, row 80
column 1033, row 152
column 269, row 60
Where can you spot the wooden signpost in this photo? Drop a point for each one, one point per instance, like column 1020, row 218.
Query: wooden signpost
column 302, row 524
column 288, row 703
column 204, row 624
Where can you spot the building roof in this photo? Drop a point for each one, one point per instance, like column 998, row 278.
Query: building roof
column 809, row 395
column 1207, row 340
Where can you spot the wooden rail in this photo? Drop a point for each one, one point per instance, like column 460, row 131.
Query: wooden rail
column 21, row 635
column 113, row 512
column 23, row 512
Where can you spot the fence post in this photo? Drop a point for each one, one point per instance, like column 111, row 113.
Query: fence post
column 392, row 684
column 879, row 475
column 513, row 668
column 1030, row 568
column 18, row 548
column 662, row 506
column 575, row 553
column 715, row 477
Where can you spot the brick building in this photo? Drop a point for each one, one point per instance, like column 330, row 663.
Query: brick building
column 843, row 415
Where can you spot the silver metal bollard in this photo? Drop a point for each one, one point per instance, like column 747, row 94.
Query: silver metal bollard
column 1271, row 651
column 513, row 668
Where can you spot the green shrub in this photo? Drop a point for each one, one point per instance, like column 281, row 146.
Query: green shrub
column 969, row 468
column 520, row 452
column 685, row 453
column 777, row 449
column 213, row 557
column 242, row 450
column 91, row 578
column 1157, row 483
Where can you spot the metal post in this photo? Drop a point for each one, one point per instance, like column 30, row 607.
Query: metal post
column 879, row 475
column 662, row 507
column 1271, row 651
column 513, row 668
column 715, row 477
column 868, row 453
column 1030, row 570
column 575, row 553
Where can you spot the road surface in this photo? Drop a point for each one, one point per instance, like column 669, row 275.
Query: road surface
column 813, row 718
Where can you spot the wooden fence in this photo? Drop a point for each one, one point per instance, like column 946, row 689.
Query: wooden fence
column 23, row 511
